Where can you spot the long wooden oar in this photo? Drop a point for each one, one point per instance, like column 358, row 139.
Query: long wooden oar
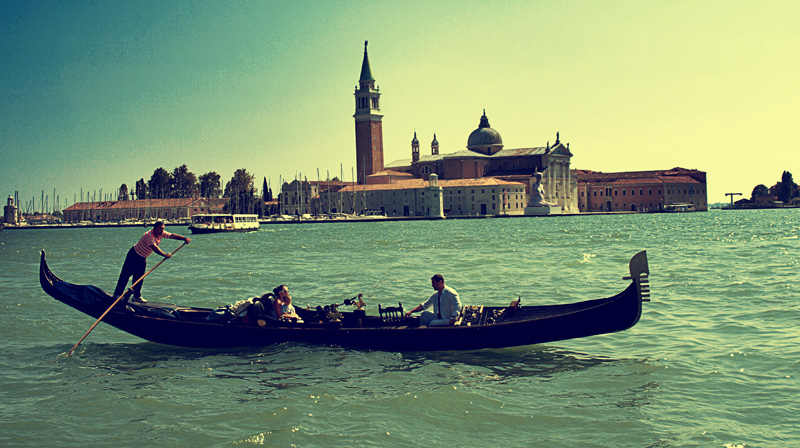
column 120, row 298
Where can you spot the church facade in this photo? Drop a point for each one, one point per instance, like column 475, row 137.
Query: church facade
column 485, row 157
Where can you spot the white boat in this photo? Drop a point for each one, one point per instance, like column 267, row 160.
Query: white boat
column 221, row 222
column 679, row 208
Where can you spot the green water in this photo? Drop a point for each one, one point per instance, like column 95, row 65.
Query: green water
column 712, row 363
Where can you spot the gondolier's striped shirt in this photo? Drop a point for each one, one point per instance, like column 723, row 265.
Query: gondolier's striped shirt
column 143, row 246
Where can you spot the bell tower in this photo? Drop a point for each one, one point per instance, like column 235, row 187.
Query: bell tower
column 369, row 127
column 415, row 148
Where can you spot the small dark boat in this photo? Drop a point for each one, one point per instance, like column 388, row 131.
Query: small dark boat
column 478, row 326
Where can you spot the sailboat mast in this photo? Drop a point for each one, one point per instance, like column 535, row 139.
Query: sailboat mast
column 328, row 174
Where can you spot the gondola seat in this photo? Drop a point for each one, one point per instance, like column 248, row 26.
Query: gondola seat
column 392, row 314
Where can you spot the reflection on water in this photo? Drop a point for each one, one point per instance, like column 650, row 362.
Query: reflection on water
column 270, row 372
column 533, row 361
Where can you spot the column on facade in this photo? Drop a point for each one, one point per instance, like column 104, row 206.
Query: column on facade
column 562, row 181
column 567, row 186
column 569, row 179
column 556, row 179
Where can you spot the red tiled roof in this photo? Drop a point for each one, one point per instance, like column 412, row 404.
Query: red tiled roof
column 479, row 182
column 673, row 176
column 640, row 180
column 332, row 183
column 422, row 183
column 146, row 203
column 679, row 180
column 399, row 185
column 391, row 173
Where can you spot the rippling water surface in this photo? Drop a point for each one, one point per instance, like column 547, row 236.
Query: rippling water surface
column 712, row 363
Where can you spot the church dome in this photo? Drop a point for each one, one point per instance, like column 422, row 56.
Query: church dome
column 484, row 138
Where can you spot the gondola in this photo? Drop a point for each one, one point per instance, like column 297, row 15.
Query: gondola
column 478, row 327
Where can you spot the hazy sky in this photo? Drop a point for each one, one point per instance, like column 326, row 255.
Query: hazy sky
column 96, row 94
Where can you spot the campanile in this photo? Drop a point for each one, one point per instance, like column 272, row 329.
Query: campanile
column 369, row 128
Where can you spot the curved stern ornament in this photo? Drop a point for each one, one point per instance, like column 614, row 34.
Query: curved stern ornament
column 640, row 271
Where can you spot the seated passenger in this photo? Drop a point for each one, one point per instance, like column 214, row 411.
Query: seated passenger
column 283, row 305
column 263, row 306
column 445, row 302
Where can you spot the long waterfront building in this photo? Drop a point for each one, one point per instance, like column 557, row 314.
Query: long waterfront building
column 641, row 190
column 418, row 197
column 142, row 209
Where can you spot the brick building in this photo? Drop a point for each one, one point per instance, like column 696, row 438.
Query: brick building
column 641, row 190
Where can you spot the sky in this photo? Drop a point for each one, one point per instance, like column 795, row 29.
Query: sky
column 94, row 94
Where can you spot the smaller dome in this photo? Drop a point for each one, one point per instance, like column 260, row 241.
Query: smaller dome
column 434, row 142
column 415, row 141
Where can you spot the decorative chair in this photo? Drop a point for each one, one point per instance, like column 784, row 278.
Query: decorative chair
column 392, row 314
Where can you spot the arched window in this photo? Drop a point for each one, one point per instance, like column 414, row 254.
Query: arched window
column 426, row 169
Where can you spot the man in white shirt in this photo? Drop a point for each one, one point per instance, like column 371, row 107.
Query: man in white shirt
column 445, row 302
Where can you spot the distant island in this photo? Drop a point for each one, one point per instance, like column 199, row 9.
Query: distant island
column 785, row 193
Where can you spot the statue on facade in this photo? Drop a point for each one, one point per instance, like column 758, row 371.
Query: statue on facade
column 537, row 193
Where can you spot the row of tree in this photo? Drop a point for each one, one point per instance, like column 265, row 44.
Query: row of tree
column 182, row 183
column 785, row 190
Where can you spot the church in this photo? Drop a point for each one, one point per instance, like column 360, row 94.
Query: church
column 483, row 162
column 485, row 178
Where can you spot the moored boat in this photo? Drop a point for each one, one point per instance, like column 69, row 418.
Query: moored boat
column 477, row 327
column 221, row 222
column 677, row 208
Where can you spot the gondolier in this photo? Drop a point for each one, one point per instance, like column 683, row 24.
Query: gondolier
column 445, row 302
column 136, row 261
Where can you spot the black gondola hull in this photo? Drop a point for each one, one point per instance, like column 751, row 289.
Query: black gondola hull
column 188, row 327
